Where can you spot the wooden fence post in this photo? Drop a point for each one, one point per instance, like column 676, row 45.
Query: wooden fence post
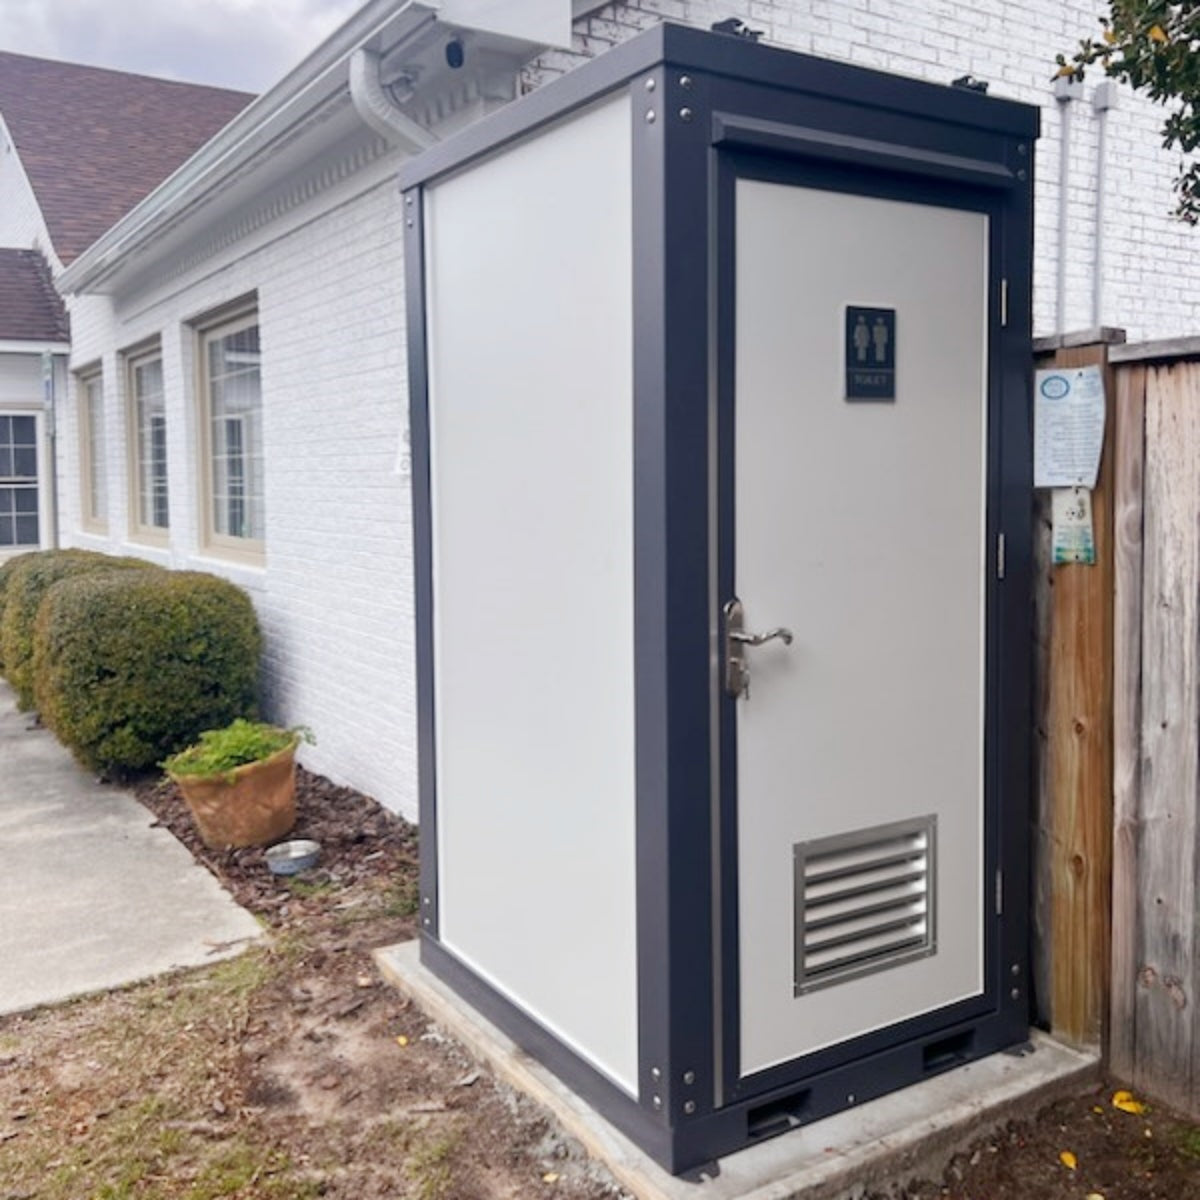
column 1073, row 840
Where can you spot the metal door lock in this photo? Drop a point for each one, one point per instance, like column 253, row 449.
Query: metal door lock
column 737, row 671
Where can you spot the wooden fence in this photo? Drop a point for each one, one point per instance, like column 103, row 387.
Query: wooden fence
column 1155, row 1026
column 1117, row 836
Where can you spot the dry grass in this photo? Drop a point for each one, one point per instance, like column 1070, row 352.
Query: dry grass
column 128, row 1095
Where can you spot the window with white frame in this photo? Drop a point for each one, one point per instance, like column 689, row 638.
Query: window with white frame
column 148, row 459
column 231, row 417
column 92, row 457
column 19, row 527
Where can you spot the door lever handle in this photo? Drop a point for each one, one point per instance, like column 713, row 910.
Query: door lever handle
column 759, row 639
column 737, row 673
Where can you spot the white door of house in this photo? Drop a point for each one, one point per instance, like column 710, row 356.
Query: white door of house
column 859, row 480
column 20, row 489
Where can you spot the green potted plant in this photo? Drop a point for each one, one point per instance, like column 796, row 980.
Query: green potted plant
column 240, row 782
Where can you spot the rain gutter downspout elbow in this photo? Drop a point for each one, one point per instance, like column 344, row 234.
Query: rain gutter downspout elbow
column 375, row 106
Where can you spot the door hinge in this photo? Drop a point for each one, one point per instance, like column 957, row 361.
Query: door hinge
column 1004, row 302
column 1000, row 548
column 999, row 892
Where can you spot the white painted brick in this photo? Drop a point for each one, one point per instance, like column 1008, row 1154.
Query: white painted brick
column 335, row 596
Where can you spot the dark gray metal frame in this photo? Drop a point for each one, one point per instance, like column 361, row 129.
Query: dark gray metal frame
column 706, row 109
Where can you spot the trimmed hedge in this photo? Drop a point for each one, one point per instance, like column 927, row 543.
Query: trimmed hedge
column 30, row 578
column 132, row 666
column 7, row 567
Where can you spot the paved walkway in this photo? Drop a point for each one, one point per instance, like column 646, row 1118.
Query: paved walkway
column 91, row 897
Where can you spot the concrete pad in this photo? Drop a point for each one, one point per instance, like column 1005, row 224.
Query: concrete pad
column 92, row 897
column 910, row 1133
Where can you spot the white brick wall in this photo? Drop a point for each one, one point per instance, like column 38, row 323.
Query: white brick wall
column 1148, row 256
column 335, row 595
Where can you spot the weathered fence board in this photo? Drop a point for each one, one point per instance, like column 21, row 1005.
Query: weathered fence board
column 1129, row 446
column 1165, row 830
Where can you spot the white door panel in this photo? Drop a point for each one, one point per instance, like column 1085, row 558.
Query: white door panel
column 860, row 526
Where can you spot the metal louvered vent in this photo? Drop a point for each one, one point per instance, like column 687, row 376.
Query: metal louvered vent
column 864, row 901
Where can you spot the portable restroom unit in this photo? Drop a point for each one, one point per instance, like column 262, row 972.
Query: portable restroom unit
column 720, row 363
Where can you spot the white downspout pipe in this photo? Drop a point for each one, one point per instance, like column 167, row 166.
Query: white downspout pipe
column 1065, row 90
column 375, row 106
column 1104, row 98
column 53, row 372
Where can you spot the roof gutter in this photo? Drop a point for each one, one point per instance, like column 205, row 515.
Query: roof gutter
column 33, row 346
column 317, row 79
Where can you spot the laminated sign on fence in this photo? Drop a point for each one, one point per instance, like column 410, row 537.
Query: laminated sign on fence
column 1068, row 436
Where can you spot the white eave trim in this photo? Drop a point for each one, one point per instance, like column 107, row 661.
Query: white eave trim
column 317, row 78
column 19, row 347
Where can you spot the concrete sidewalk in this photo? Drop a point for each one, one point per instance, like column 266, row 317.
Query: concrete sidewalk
column 92, row 897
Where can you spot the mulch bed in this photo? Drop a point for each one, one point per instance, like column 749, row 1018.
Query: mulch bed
column 363, row 846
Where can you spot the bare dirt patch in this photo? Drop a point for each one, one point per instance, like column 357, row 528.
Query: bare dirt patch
column 292, row 1071
column 1077, row 1149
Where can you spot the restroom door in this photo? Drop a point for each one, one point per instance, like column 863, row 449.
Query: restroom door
column 20, row 493
column 854, row 503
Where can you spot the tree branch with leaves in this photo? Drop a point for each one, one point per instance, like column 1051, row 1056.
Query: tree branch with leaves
column 1154, row 46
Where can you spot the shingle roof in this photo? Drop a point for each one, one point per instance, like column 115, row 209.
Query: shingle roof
column 30, row 309
column 94, row 142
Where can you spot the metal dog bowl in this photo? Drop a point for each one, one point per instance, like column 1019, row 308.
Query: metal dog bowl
column 290, row 858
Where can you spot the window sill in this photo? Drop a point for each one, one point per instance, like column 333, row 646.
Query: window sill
column 151, row 552
column 246, row 572
column 243, row 552
column 157, row 539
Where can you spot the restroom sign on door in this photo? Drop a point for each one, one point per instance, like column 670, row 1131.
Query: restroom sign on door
column 870, row 353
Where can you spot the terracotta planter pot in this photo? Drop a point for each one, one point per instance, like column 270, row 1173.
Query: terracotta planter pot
column 253, row 806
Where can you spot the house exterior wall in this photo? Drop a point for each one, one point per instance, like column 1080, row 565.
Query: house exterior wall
column 22, row 226
column 1148, row 256
column 334, row 593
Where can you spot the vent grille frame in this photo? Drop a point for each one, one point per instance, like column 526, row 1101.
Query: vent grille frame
column 883, row 914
